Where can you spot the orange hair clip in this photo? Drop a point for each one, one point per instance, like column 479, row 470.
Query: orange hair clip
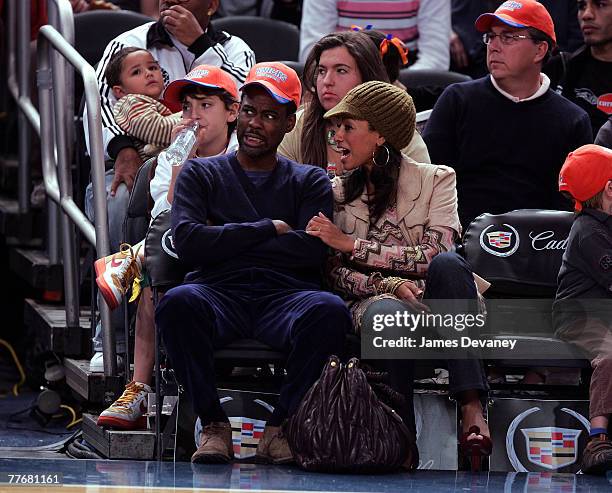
column 395, row 41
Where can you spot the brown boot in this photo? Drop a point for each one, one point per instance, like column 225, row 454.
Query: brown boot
column 215, row 445
column 273, row 447
column 597, row 456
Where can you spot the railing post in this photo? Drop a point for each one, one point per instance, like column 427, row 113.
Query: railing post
column 98, row 233
column 62, row 18
column 69, row 257
column 23, row 77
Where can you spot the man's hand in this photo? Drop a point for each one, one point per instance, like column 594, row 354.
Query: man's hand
column 330, row 234
column 182, row 24
column 281, row 227
column 458, row 53
column 79, row 6
column 126, row 166
column 410, row 293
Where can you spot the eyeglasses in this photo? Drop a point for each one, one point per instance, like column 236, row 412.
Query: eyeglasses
column 505, row 38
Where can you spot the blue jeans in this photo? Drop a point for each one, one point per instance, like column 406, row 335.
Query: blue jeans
column 116, row 208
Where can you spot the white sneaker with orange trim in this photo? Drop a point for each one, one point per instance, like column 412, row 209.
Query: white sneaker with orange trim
column 127, row 412
column 116, row 273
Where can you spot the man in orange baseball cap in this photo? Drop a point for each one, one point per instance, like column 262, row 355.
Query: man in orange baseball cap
column 521, row 14
column 281, row 81
column 491, row 130
column 239, row 221
column 269, row 84
column 581, row 310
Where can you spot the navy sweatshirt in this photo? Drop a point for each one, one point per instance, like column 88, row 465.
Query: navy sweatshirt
column 222, row 223
column 507, row 155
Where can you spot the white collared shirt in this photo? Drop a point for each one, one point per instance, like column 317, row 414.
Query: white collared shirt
column 544, row 85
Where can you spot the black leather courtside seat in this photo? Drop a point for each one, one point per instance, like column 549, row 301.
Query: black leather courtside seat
column 520, row 254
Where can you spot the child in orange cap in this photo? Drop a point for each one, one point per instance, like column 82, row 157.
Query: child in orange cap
column 581, row 310
column 209, row 96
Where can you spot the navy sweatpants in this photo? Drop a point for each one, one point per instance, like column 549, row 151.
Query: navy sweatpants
column 196, row 319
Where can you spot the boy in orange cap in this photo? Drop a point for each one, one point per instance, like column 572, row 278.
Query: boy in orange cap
column 580, row 311
column 209, row 96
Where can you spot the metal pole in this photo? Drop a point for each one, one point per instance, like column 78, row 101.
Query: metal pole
column 23, row 102
column 96, row 152
column 49, row 36
column 12, row 34
column 158, row 397
column 62, row 18
column 70, row 259
column 23, row 47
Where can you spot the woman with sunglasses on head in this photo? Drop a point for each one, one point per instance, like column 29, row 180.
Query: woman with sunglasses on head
column 395, row 224
column 336, row 64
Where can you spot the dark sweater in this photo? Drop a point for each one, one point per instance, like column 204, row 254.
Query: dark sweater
column 242, row 240
column 507, row 155
column 586, row 270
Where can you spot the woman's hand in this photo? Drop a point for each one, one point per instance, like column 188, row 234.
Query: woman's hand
column 410, row 293
column 330, row 234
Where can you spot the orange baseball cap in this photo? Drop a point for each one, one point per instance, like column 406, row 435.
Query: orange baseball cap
column 280, row 81
column 521, row 14
column 585, row 172
column 205, row 76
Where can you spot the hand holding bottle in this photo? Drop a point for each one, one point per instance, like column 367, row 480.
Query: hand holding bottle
column 184, row 142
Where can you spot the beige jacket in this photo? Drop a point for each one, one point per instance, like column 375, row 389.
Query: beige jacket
column 291, row 146
column 426, row 197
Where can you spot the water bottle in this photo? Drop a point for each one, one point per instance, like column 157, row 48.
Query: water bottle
column 178, row 152
column 331, row 170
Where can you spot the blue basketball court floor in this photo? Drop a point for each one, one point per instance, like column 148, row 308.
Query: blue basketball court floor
column 67, row 475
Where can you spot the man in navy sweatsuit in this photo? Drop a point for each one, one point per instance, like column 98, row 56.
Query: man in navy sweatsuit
column 238, row 220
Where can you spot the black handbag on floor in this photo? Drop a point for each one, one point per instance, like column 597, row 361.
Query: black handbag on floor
column 342, row 426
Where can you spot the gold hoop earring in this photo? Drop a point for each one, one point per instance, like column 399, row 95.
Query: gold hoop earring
column 374, row 156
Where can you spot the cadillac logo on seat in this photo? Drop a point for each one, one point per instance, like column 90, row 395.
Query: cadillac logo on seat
column 549, row 447
column 167, row 244
column 501, row 242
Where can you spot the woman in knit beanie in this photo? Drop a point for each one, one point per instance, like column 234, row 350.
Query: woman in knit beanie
column 395, row 224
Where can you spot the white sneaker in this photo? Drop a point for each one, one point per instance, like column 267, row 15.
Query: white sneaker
column 96, row 364
column 127, row 412
column 117, row 272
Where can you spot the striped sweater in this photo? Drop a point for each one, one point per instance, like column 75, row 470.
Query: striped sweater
column 146, row 120
column 424, row 25
column 217, row 48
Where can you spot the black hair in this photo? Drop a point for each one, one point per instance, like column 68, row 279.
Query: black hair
column 112, row 73
column 383, row 176
column 392, row 59
column 194, row 90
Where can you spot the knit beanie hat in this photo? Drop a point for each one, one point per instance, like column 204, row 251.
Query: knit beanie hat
column 386, row 107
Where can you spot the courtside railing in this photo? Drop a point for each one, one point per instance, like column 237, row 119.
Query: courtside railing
column 56, row 164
